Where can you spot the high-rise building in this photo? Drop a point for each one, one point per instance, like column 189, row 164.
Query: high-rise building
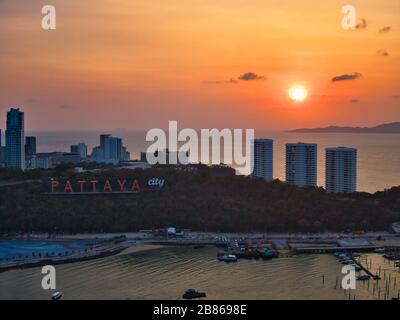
column 341, row 170
column 80, row 149
column 103, row 137
column 15, row 139
column 30, row 146
column 2, row 152
column 301, row 164
column 113, row 148
column 263, row 159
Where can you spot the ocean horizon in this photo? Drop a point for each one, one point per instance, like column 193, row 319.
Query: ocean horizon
column 378, row 154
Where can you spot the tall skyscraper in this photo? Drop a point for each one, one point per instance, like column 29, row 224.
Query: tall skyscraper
column 301, row 164
column 30, row 146
column 263, row 159
column 341, row 170
column 103, row 137
column 113, row 148
column 15, row 139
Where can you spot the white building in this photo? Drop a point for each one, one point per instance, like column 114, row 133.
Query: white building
column 341, row 170
column 39, row 161
column 263, row 159
column 301, row 164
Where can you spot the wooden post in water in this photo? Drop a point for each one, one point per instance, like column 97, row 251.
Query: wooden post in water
column 323, row 279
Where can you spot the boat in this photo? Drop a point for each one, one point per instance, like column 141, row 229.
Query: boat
column 56, row 296
column 355, row 254
column 193, row 294
column 265, row 253
column 379, row 250
column 227, row 258
column 364, row 277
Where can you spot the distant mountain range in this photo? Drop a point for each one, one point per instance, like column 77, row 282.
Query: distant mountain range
column 393, row 127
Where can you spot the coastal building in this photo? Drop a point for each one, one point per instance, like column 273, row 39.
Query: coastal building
column 2, row 152
column 341, row 170
column 111, row 150
column 15, row 139
column 51, row 160
column 301, row 164
column 30, row 146
column 80, row 149
column 39, row 161
column 263, row 159
column 126, row 155
column 64, row 158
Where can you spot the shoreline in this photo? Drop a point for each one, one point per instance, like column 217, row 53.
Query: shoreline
column 145, row 241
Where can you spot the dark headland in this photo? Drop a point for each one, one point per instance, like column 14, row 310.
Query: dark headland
column 393, row 127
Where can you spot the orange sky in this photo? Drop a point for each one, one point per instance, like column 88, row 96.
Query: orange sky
column 136, row 64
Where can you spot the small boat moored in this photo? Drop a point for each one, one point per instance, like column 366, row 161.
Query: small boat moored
column 56, row 296
column 364, row 277
column 227, row 258
column 193, row 294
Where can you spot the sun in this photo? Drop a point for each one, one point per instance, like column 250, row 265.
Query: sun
column 298, row 93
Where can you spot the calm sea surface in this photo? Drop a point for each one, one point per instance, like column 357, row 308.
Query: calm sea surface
column 166, row 273
column 378, row 154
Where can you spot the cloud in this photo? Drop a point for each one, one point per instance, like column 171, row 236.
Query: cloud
column 231, row 80
column 251, row 76
column 355, row 101
column 396, row 97
column 247, row 76
column 382, row 53
column 385, row 29
column 344, row 77
column 362, row 25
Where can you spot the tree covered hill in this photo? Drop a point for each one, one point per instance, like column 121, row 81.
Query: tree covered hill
column 200, row 200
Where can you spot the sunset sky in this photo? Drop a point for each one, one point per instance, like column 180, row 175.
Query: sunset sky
column 136, row 64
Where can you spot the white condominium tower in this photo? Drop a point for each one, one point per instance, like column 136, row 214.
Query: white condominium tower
column 263, row 159
column 341, row 170
column 301, row 164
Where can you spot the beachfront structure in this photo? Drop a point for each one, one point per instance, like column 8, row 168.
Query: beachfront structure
column 30, row 146
column 111, row 150
column 263, row 159
column 301, row 164
column 80, row 149
column 341, row 170
column 15, row 139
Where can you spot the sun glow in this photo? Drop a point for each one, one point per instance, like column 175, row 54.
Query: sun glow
column 298, row 93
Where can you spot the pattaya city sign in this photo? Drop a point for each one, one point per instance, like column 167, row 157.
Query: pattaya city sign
column 106, row 186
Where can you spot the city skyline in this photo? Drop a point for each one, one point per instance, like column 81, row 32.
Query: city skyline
column 300, row 162
column 205, row 64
